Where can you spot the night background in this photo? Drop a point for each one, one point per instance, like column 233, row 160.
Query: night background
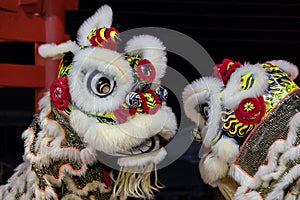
column 253, row 31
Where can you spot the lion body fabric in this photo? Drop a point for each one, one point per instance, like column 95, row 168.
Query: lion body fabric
column 57, row 164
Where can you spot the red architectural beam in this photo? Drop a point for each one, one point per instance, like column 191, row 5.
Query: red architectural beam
column 11, row 5
column 13, row 75
column 38, row 21
column 22, row 27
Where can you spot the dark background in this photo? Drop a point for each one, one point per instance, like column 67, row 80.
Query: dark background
column 254, row 31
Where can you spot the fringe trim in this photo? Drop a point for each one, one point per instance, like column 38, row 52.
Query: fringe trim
column 137, row 185
column 71, row 197
column 93, row 186
column 290, row 177
column 239, row 175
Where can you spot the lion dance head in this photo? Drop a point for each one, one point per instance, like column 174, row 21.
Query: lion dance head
column 248, row 120
column 102, row 101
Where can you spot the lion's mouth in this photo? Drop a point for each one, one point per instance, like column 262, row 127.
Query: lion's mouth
column 149, row 145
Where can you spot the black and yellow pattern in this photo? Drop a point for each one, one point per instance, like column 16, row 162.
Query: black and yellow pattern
column 233, row 128
column 279, row 85
column 247, row 81
column 65, row 64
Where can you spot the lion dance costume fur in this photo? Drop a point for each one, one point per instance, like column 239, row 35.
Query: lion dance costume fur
column 248, row 120
column 102, row 100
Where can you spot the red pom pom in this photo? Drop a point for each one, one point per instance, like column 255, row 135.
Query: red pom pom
column 226, row 68
column 59, row 93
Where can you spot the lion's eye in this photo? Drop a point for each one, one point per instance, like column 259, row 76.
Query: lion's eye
column 99, row 84
column 203, row 109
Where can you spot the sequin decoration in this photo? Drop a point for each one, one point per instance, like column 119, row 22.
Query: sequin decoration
column 254, row 152
column 69, row 182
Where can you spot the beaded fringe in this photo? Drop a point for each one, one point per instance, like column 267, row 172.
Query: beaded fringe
column 136, row 182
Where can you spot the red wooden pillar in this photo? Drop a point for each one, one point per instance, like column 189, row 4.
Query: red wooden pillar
column 54, row 33
column 37, row 21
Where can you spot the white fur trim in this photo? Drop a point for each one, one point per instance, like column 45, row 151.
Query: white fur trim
column 242, row 194
column 204, row 176
column 44, row 105
column 102, row 18
column 71, row 197
column 88, row 155
column 110, row 64
column 80, row 122
column 233, row 94
column 150, row 48
column 93, row 186
column 290, row 196
column 213, row 169
column 226, row 149
column 291, row 154
column 16, row 182
column 143, row 159
column 57, row 50
column 263, row 171
column 48, row 193
column 282, row 148
column 239, row 175
column 276, row 165
column 64, row 170
column 294, row 125
column 204, row 90
column 287, row 67
column 117, row 138
column 278, row 191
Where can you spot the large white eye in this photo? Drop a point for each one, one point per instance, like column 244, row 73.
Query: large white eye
column 99, row 84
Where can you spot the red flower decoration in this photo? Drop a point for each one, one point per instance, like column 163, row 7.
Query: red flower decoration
column 250, row 110
column 59, row 93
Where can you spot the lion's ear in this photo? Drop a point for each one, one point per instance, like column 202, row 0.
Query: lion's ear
column 245, row 82
column 150, row 48
column 202, row 105
column 287, row 67
column 57, row 51
column 102, row 18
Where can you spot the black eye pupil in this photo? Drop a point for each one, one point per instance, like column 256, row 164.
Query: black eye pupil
column 103, row 85
column 99, row 84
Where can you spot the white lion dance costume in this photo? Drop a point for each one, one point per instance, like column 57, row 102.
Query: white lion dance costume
column 249, row 122
column 104, row 101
